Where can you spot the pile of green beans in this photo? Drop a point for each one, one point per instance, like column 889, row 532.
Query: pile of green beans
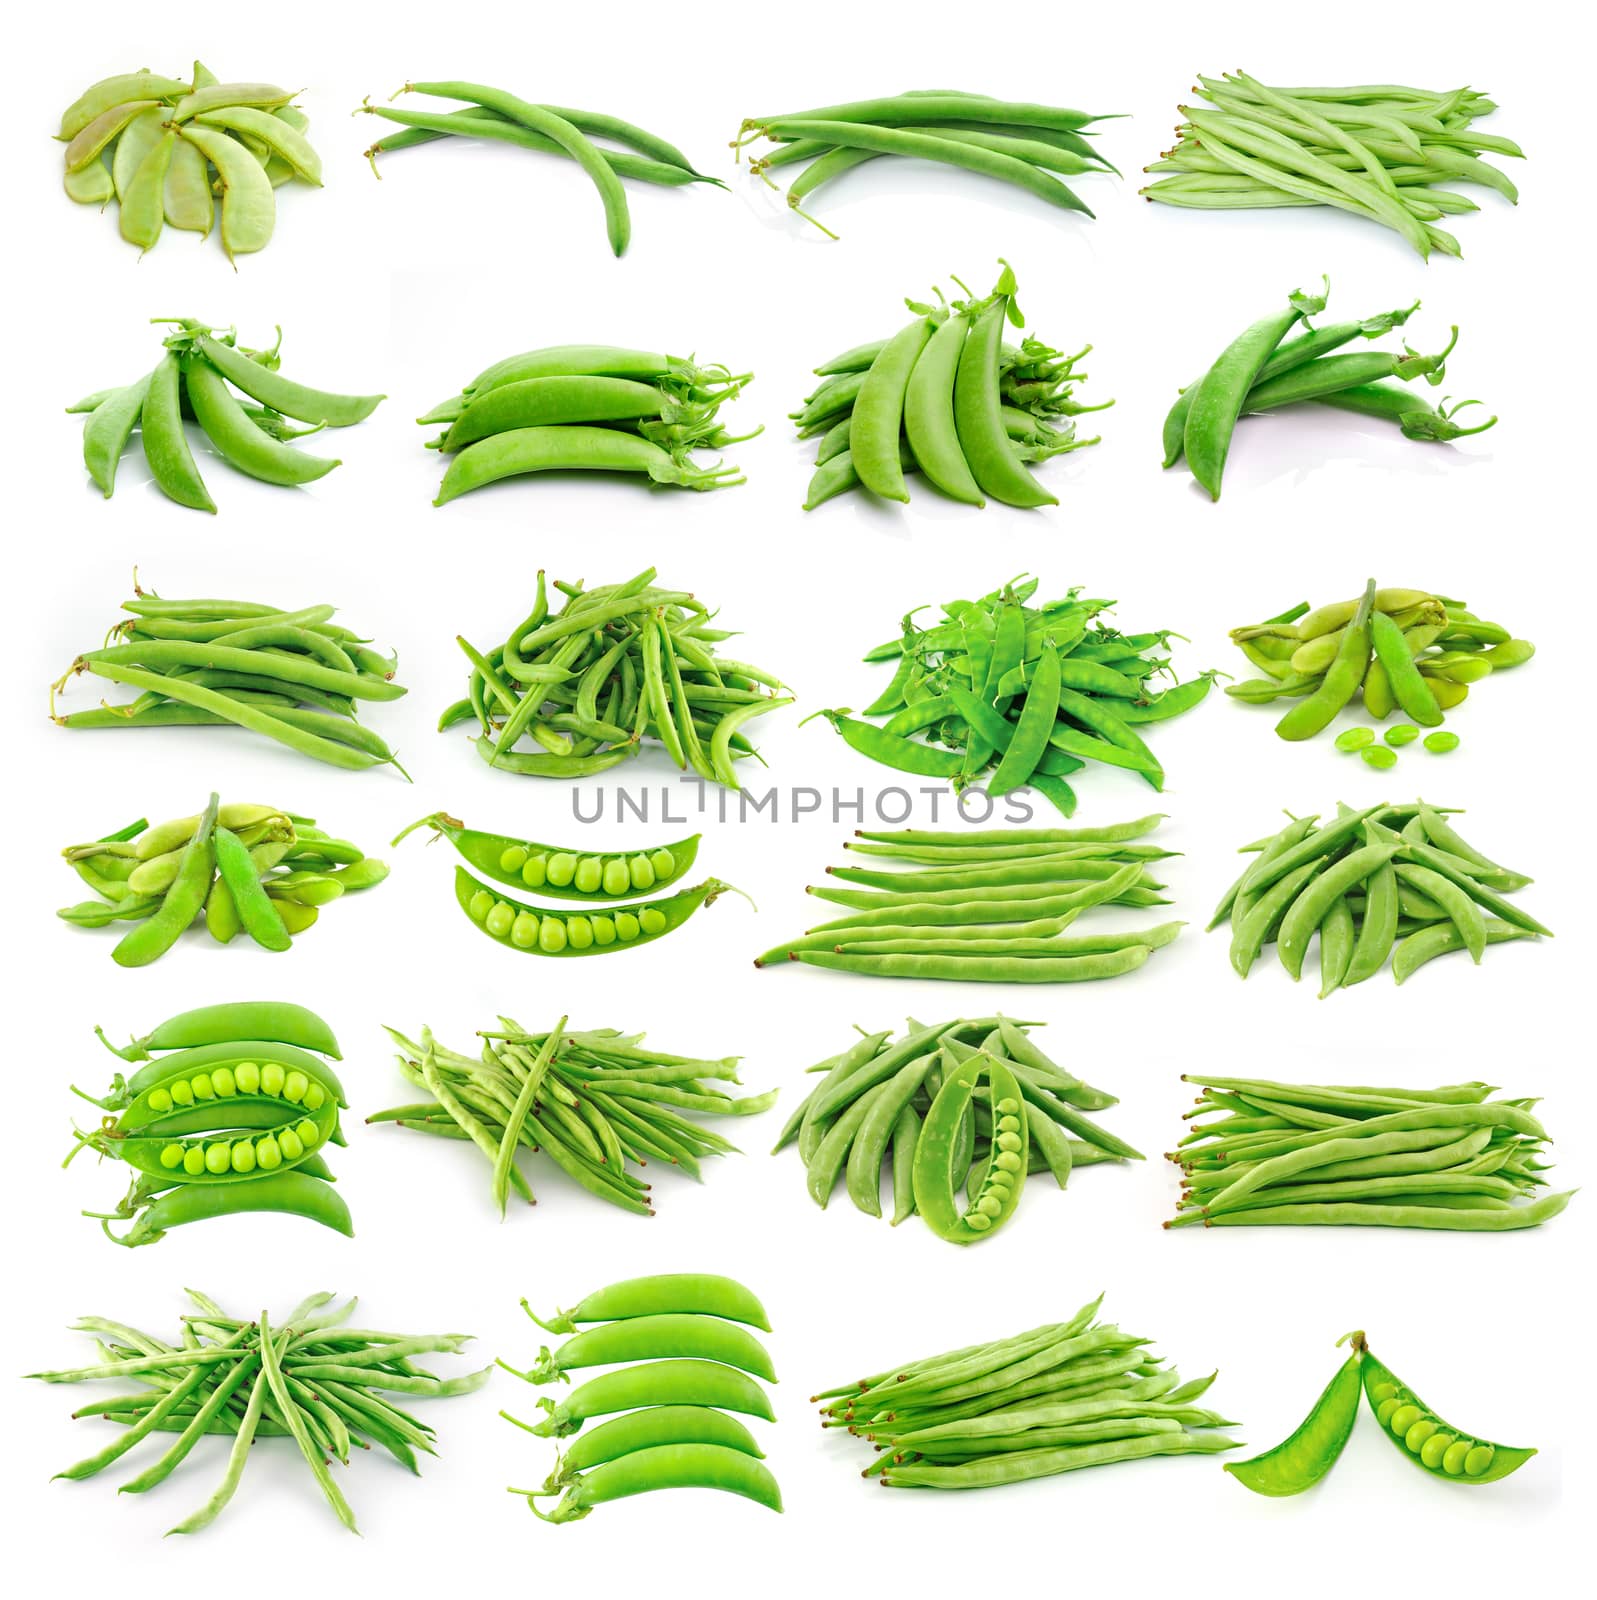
column 591, row 1101
column 693, row 1362
column 1396, row 882
column 587, row 408
column 918, row 1104
column 1263, row 370
column 494, row 114
column 253, row 436
column 293, row 676
column 245, row 868
column 615, row 665
column 1057, row 1398
column 1018, row 142
column 1378, row 151
column 226, row 1116
column 1019, row 695
column 949, row 397
column 150, row 143
column 1407, row 650
column 988, row 906
column 1310, row 1155
column 307, row 1378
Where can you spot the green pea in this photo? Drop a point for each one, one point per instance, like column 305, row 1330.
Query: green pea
column 160, row 1100
column 1439, row 744
column 194, row 1160
column 1435, row 1448
column 1404, row 1418
column 651, row 921
column 534, row 871
column 272, row 1076
column 1009, row 1124
column 990, row 1206
column 562, row 869
column 580, row 932
column 589, row 874
column 604, row 931
column 1478, row 1460
column 1384, row 1411
column 1007, row 1161
column 182, row 1094
column 1454, row 1456
column 223, row 1082
column 513, row 858
column 975, row 1219
column 642, row 871
column 288, row 1143
column 664, row 863
column 500, row 919
column 172, row 1156
column 1403, row 733
column 1355, row 738
column 315, row 1097
column 626, row 927
column 617, row 880
column 248, row 1077
column 551, row 936
column 524, row 930
column 243, row 1156
column 1416, row 1436
column 218, row 1159
column 1009, row 1107
column 1383, row 1391
column 268, row 1155
column 295, row 1085
column 202, row 1086
column 481, row 904
column 1008, row 1141
column 308, row 1133
column 1379, row 757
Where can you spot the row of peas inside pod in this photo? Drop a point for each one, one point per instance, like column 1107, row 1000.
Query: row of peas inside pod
column 684, row 1366
column 229, row 1112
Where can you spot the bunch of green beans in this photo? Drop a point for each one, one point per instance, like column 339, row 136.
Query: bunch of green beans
column 230, row 1113
column 1054, row 1399
column 988, row 906
column 1379, row 151
column 682, row 1360
column 881, row 1095
column 1396, row 882
column 308, row 1378
column 1402, row 649
column 591, row 1101
column 488, row 113
column 615, row 665
column 253, row 435
column 1309, row 1155
column 949, row 397
column 1020, row 696
column 587, row 408
column 293, row 676
column 259, row 870
column 1264, row 370
column 1018, row 142
column 151, row 142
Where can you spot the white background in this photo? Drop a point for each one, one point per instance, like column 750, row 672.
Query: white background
column 464, row 254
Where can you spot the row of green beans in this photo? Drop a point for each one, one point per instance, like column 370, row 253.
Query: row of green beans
column 968, row 1107
column 152, row 144
column 1054, row 1399
column 682, row 1359
column 1387, row 882
column 946, row 396
column 219, row 1121
column 988, row 906
column 247, row 868
column 1377, row 151
column 596, row 1103
column 586, row 684
column 194, row 380
column 1307, row 1155
column 308, row 1377
column 1017, row 695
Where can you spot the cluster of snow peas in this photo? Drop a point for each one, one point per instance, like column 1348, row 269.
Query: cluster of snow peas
column 1378, row 151
column 1407, row 650
column 1019, row 696
column 682, row 1359
column 253, row 436
column 614, row 666
column 228, row 1114
column 494, row 114
column 591, row 1101
column 1263, row 370
column 1017, row 142
column 1385, row 882
column 150, row 143
column 948, row 397
column 988, row 906
column 239, row 868
column 970, row 1106
column 1435, row 1446
column 1057, row 1398
column 307, row 1378
column 293, row 676
column 1306, row 1155
column 587, row 408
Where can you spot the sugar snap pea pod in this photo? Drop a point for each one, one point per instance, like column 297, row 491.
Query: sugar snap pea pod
column 106, row 434
column 240, row 443
column 879, row 412
column 675, row 1382
column 681, row 1293
column 1300, row 1461
column 1342, row 679
column 166, row 448
column 1377, row 927
column 672, row 1466
column 1034, row 726
column 1434, row 1446
column 649, row 1338
column 249, row 208
column 978, row 409
column 275, row 1020
column 295, row 400
column 929, row 422
column 1425, row 944
column 646, row 1429
column 878, row 1127
column 1337, row 939
column 574, row 448
column 295, row 1193
column 906, row 1135
column 1462, row 911
column 1313, row 904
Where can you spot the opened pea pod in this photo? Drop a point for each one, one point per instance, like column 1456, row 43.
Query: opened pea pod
column 559, row 871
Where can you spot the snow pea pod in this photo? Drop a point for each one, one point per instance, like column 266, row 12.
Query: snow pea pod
column 296, row 400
